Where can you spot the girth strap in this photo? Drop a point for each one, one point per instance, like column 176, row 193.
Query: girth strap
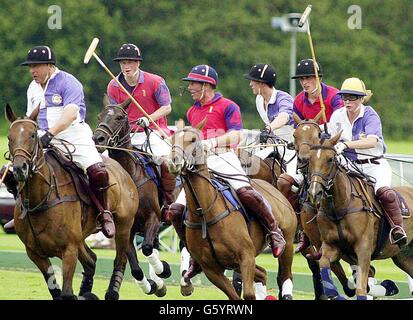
column 198, row 225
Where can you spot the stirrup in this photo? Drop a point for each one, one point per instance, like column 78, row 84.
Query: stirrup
column 278, row 237
column 402, row 237
column 98, row 223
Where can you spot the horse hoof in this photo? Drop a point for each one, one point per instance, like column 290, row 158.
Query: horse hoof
column 161, row 292
column 338, row 298
column 67, row 297
column 287, row 297
column 349, row 292
column 322, row 297
column 112, row 295
column 391, row 287
column 166, row 273
column 187, row 290
column 89, row 296
column 154, row 287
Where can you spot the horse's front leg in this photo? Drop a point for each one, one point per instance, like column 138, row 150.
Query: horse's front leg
column 218, row 278
column 88, row 260
column 363, row 252
column 69, row 260
column 46, row 269
column 329, row 253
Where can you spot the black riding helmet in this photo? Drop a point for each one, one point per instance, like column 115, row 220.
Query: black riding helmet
column 262, row 73
column 40, row 55
column 305, row 68
column 129, row 51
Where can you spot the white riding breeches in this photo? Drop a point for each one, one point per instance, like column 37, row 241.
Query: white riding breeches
column 157, row 146
column 226, row 163
column 80, row 144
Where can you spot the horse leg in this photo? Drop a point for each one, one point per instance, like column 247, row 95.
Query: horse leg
column 46, row 269
column 317, row 282
column 186, row 284
column 69, row 260
column 161, row 287
column 405, row 262
column 218, row 278
column 147, row 286
column 237, row 282
column 247, row 268
column 260, row 283
column 122, row 248
column 362, row 251
column 160, row 268
column 329, row 253
column 284, row 276
column 88, row 260
column 338, row 270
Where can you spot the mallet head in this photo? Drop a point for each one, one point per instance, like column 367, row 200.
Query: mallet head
column 91, row 50
column 305, row 15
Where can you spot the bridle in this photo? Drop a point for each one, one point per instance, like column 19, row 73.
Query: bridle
column 116, row 138
column 325, row 180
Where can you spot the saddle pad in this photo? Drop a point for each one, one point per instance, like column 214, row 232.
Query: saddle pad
column 147, row 163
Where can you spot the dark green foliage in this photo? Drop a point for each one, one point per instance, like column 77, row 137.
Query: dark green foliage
column 230, row 35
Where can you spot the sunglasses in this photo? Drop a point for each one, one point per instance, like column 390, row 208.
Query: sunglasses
column 350, row 97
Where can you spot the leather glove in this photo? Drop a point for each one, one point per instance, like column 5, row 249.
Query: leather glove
column 340, row 147
column 264, row 135
column 209, row 144
column 143, row 122
column 45, row 139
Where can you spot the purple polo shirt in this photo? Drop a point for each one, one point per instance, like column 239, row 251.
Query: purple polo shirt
column 283, row 103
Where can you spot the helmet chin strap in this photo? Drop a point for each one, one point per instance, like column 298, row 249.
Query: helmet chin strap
column 203, row 91
column 48, row 75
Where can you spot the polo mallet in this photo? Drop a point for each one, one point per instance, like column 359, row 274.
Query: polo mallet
column 91, row 52
column 303, row 19
column 5, row 172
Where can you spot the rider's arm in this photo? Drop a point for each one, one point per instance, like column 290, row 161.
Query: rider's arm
column 232, row 137
column 161, row 112
column 366, row 143
column 163, row 97
column 69, row 115
column 280, row 120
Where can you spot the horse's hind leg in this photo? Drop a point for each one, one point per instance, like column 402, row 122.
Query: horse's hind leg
column 88, row 260
column 338, row 270
column 147, row 286
column 160, row 268
column 46, row 269
column 218, row 278
column 404, row 261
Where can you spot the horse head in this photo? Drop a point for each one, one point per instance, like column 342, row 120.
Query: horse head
column 24, row 144
column 306, row 134
column 187, row 151
column 113, row 129
column 322, row 168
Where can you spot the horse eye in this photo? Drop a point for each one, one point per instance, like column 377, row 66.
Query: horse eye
column 193, row 139
column 33, row 135
column 119, row 118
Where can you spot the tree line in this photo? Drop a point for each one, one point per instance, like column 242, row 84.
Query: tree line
column 230, row 35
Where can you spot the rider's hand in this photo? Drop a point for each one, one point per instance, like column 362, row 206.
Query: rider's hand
column 45, row 139
column 143, row 122
column 209, row 144
column 264, row 135
column 340, row 147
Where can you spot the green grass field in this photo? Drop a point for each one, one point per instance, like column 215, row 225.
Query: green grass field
column 20, row 278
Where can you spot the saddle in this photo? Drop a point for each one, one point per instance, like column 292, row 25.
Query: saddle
column 78, row 177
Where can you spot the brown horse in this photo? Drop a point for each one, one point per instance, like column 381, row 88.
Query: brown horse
column 356, row 237
column 220, row 241
column 114, row 131
column 52, row 221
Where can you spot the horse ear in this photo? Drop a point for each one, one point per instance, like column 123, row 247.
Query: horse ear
column 318, row 116
column 180, row 124
column 125, row 103
column 35, row 113
column 296, row 118
column 106, row 100
column 335, row 139
column 202, row 124
column 8, row 111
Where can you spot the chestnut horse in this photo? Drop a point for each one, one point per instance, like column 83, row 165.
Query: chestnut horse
column 52, row 221
column 226, row 241
column 350, row 221
column 114, row 131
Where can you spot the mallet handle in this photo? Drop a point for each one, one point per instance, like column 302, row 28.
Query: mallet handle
column 305, row 15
